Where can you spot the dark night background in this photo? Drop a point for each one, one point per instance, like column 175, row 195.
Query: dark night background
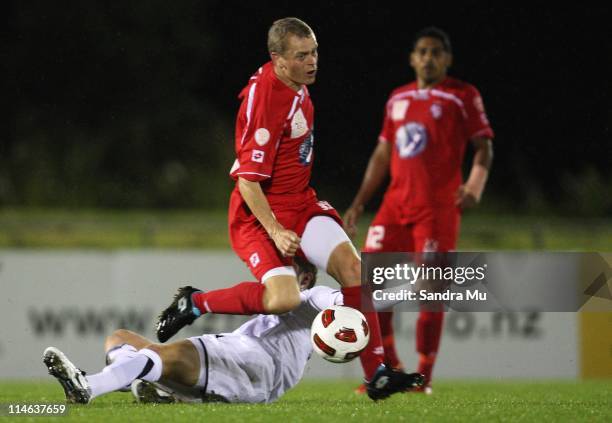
column 132, row 104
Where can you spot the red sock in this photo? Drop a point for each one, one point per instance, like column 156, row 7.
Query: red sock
column 372, row 356
column 388, row 339
column 428, row 332
column 426, row 364
column 244, row 298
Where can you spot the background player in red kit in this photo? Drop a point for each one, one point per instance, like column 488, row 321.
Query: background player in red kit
column 274, row 214
column 426, row 128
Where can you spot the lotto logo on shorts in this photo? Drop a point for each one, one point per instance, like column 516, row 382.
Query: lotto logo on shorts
column 254, row 259
column 258, row 156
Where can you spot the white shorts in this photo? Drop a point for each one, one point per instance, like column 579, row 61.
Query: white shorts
column 234, row 368
column 320, row 238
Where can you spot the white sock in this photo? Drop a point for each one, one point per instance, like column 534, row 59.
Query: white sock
column 146, row 364
column 119, row 354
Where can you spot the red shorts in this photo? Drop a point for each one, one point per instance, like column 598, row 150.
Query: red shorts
column 250, row 240
column 431, row 229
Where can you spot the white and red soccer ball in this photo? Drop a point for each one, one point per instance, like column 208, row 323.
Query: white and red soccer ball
column 339, row 334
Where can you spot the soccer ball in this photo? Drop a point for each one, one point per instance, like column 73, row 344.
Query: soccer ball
column 339, row 334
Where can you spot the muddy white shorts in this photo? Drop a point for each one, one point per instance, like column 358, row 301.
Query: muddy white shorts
column 235, row 367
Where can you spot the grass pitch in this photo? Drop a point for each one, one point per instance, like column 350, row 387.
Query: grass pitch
column 331, row 401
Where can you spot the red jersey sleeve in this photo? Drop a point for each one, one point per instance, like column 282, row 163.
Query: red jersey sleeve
column 386, row 133
column 477, row 123
column 264, row 120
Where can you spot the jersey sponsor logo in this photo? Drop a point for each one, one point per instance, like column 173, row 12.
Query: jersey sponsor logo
column 436, row 111
column 258, row 156
column 299, row 125
column 305, row 152
column 398, row 111
column 254, row 259
column 375, row 236
column 411, row 139
column 262, row 136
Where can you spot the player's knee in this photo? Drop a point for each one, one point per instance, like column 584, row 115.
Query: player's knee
column 353, row 272
column 344, row 265
column 180, row 362
column 281, row 294
column 283, row 304
column 167, row 356
column 118, row 337
column 349, row 272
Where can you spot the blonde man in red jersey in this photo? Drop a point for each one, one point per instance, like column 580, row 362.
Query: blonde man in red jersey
column 275, row 215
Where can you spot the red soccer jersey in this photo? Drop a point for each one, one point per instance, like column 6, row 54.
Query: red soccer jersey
column 274, row 140
column 429, row 130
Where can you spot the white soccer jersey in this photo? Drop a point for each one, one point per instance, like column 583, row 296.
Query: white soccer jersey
column 287, row 337
column 264, row 357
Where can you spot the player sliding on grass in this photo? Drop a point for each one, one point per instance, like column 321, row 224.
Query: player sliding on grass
column 274, row 214
column 258, row 362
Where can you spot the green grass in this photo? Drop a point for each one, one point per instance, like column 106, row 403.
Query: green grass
column 323, row 401
column 103, row 229
column 112, row 229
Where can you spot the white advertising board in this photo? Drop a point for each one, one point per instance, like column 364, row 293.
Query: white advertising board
column 73, row 299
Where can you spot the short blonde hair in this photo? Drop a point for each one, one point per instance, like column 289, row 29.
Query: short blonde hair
column 280, row 29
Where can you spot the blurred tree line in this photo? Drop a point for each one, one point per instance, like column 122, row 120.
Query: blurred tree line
column 131, row 104
column 104, row 108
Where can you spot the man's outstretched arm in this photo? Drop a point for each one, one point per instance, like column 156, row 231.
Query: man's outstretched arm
column 470, row 193
column 375, row 174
